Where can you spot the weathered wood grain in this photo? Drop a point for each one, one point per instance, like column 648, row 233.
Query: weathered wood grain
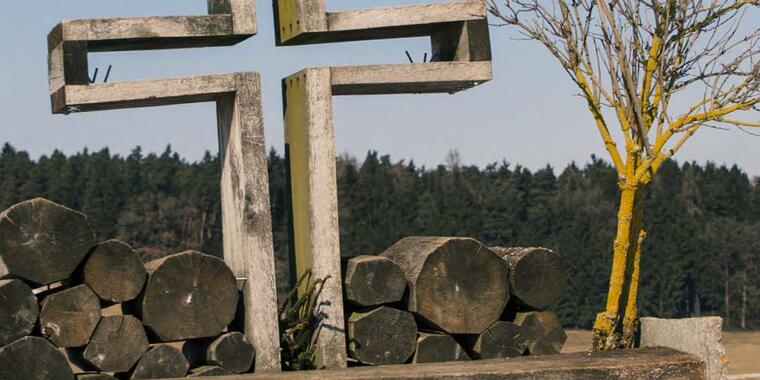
column 33, row 358
column 231, row 351
column 542, row 332
column 68, row 317
column 76, row 361
column 537, row 276
column 374, row 280
column 246, row 218
column 437, row 348
column 209, row 371
column 188, row 295
column 159, row 362
column 43, row 242
column 382, row 335
column 117, row 344
column 431, row 77
column 18, row 310
column 114, row 271
column 310, row 154
column 634, row 364
column 501, row 340
column 142, row 93
column 307, row 22
column 227, row 23
column 471, row 295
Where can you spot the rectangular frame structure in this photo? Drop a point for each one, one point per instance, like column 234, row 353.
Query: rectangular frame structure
column 460, row 59
column 310, row 154
column 308, row 22
column 246, row 218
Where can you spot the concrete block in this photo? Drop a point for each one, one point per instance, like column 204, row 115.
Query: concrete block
column 699, row 336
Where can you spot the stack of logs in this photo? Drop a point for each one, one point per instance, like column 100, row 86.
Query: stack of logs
column 437, row 299
column 74, row 308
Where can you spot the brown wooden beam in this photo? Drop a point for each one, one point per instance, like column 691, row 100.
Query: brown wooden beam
column 645, row 363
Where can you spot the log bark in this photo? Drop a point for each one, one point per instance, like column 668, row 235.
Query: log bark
column 159, row 362
column 43, row 242
column 374, row 280
column 231, row 351
column 188, row 295
column 542, row 332
column 209, row 371
column 115, row 272
column 68, row 317
column 381, row 336
column 501, row 340
column 455, row 284
column 537, row 276
column 438, row 348
column 117, row 344
column 18, row 310
column 33, row 358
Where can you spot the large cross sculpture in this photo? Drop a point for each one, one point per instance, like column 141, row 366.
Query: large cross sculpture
column 461, row 58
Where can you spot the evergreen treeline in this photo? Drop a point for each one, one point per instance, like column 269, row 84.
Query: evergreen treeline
column 701, row 257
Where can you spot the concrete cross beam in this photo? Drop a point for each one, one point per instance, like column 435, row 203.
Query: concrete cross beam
column 307, row 21
column 227, row 23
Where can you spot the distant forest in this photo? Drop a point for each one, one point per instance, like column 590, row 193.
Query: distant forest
column 701, row 256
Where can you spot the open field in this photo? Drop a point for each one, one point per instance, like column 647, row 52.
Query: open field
column 742, row 349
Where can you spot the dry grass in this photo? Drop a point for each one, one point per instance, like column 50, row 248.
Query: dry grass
column 742, row 349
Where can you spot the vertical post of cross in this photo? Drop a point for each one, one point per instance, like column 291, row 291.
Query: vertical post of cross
column 310, row 152
column 246, row 219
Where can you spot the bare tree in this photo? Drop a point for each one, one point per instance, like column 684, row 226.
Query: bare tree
column 659, row 71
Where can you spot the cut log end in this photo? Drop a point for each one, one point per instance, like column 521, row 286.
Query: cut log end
column 381, row 336
column 18, row 310
column 438, row 348
column 33, row 358
column 529, row 267
column 231, row 351
column 542, row 332
column 374, row 280
column 115, row 272
column 117, row 344
column 161, row 361
column 501, row 340
column 43, row 242
column 188, row 295
column 68, row 317
column 471, row 295
column 209, row 371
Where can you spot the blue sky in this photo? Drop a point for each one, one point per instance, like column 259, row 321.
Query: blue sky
column 527, row 115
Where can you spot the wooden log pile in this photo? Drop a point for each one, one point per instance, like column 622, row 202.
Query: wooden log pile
column 73, row 308
column 438, row 299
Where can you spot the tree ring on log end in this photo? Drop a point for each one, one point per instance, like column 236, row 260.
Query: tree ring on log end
column 461, row 287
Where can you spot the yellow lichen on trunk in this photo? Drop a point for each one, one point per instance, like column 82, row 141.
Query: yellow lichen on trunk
column 615, row 327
